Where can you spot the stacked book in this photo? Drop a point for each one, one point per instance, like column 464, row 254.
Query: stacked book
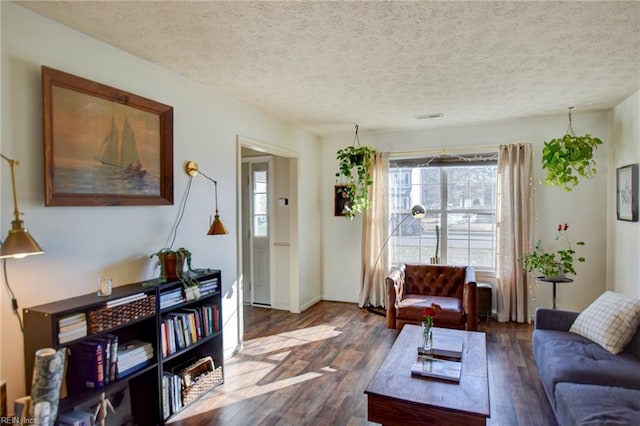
column 209, row 286
column 443, row 360
column 93, row 363
column 171, row 298
column 133, row 356
column 437, row 368
column 183, row 328
column 171, row 394
column 72, row 327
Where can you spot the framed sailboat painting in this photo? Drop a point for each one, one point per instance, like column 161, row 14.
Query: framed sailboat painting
column 104, row 146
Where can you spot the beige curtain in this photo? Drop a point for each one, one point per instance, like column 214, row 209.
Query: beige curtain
column 515, row 207
column 374, row 234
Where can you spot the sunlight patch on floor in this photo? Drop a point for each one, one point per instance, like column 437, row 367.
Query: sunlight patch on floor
column 278, row 342
column 245, row 372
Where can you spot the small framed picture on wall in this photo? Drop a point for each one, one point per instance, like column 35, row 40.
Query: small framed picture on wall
column 341, row 200
column 627, row 193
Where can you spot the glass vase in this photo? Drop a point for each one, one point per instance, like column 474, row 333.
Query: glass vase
column 427, row 337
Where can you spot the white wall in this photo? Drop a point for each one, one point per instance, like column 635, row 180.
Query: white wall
column 584, row 208
column 623, row 244
column 83, row 243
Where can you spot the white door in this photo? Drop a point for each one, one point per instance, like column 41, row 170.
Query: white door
column 247, row 294
column 260, row 234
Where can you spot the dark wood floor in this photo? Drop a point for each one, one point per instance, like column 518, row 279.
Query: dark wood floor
column 312, row 368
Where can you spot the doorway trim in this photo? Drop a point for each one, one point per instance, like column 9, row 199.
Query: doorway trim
column 268, row 160
column 294, row 276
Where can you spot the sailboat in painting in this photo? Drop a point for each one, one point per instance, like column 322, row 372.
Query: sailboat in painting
column 121, row 153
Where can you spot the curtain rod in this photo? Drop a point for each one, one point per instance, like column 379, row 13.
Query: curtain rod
column 443, row 151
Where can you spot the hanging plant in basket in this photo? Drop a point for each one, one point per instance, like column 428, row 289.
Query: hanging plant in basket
column 355, row 163
column 568, row 157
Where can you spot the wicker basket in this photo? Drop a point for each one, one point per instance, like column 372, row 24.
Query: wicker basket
column 108, row 318
column 198, row 378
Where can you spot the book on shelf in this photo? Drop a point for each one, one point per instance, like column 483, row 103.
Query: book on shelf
column 216, row 318
column 181, row 329
column 113, row 365
column 76, row 333
column 133, row 356
column 72, row 319
column 171, row 298
column 209, row 286
column 171, row 394
column 105, row 343
column 175, row 329
column 72, row 327
column 437, row 368
column 86, row 366
column 125, row 300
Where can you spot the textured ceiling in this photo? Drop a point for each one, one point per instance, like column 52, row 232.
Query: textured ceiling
column 328, row 65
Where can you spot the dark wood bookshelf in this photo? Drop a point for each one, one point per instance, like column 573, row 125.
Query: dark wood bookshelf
column 41, row 327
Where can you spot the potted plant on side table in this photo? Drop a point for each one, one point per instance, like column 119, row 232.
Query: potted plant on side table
column 553, row 265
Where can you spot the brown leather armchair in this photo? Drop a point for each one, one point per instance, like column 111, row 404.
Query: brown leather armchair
column 410, row 288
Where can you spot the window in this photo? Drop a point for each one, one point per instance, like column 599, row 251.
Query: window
column 260, row 223
column 459, row 194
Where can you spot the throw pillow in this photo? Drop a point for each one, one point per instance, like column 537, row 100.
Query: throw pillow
column 610, row 321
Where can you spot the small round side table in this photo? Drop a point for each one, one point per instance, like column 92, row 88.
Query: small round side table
column 554, row 281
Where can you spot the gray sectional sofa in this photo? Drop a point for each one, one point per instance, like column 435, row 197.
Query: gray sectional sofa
column 586, row 384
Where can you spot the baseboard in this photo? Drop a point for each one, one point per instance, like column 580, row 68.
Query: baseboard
column 310, row 303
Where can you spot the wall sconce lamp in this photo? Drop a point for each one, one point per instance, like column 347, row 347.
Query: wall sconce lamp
column 216, row 228
column 19, row 243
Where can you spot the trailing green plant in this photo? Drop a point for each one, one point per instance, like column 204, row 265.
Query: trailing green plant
column 181, row 256
column 568, row 157
column 553, row 263
column 354, row 163
column 563, row 156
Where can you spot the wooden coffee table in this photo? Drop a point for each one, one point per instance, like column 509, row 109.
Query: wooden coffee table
column 394, row 396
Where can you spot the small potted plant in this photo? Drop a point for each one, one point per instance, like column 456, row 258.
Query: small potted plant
column 553, row 265
column 172, row 266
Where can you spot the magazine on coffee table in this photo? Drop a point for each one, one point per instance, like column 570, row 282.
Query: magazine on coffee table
column 437, row 368
column 444, row 346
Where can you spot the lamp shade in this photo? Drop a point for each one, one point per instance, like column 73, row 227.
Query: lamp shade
column 19, row 243
column 418, row 211
column 217, row 228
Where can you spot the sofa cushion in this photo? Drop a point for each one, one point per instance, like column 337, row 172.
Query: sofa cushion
column 611, row 321
column 411, row 309
column 579, row 404
column 566, row 357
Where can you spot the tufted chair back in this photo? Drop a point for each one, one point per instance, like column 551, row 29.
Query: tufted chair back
column 435, row 280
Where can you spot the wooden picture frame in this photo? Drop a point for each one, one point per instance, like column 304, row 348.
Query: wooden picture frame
column 340, row 200
column 104, row 146
column 627, row 193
